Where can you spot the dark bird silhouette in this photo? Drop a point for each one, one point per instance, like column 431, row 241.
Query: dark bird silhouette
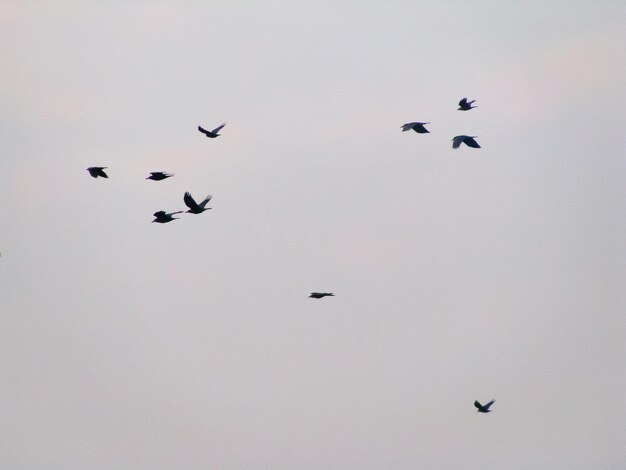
column 158, row 176
column 465, row 105
column 96, row 171
column 194, row 207
column 416, row 126
column 483, row 408
column 319, row 295
column 465, row 139
column 163, row 217
column 211, row 134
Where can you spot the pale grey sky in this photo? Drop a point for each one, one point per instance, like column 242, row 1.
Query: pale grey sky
column 459, row 274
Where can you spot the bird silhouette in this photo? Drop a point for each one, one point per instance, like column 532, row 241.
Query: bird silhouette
column 162, row 217
column 319, row 295
column 483, row 408
column 211, row 134
column 465, row 105
column 416, row 126
column 158, row 176
column 194, row 207
column 465, row 139
column 96, row 171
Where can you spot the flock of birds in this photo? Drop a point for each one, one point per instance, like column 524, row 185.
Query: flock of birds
column 420, row 128
column 194, row 207
column 162, row 217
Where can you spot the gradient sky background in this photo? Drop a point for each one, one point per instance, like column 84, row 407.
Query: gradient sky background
column 459, row 274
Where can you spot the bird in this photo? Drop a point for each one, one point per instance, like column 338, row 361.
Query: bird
column 483, row 408
column 465, row 139
column 163, row 217
column 96, row 171
column 465, row 105
column 158, row 176
column 319, row 295
column 212, row 134
column 416, row 126
column 194, row 207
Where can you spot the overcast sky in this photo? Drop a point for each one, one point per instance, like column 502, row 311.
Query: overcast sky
column 458, row 274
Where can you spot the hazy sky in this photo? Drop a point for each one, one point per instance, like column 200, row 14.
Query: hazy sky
column 459, row 274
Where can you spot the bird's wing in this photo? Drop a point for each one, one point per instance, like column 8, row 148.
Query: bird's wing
column 463, row 102
column 177, row 212
column 206, row 200
column 477, row 404
column 470, row 142
column 489, row 404
column 457, row 141
column 204, row 131
column 217, row 129
column 408, row 126
column 189, row 202
column 159, row 214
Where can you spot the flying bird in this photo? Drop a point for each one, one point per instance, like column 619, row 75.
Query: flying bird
column 465, row 105
column 483, row 408
column 162, row 217
column 416, row 126
column 211, row 134
column 465, row 139
column 194, row 207
column 96, row 171
column 158, row 176
column 319, row 295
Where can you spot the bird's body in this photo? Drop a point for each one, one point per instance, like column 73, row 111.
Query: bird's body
column 162, row 217
column 194, row 207
column 465, row 139
column 96, row 171
column 319, row 295
column 416, row 126
column 483, row 408
column 211, row 134
column 158, row 176
column 465, row 105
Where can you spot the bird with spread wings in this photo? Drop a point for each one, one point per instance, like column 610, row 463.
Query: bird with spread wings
column 194, row 207
column 212, row 134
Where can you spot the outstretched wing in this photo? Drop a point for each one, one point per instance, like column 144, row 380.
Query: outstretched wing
column 189, row 202
column 218, row 128
column 489, row 404
column 100, row 172
column 478, row 405
column 204, row 131
column 159, row 214
column 470, row 142
column 463, row 102
column 457, row 141
column 206, row 200
column 408, row 126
